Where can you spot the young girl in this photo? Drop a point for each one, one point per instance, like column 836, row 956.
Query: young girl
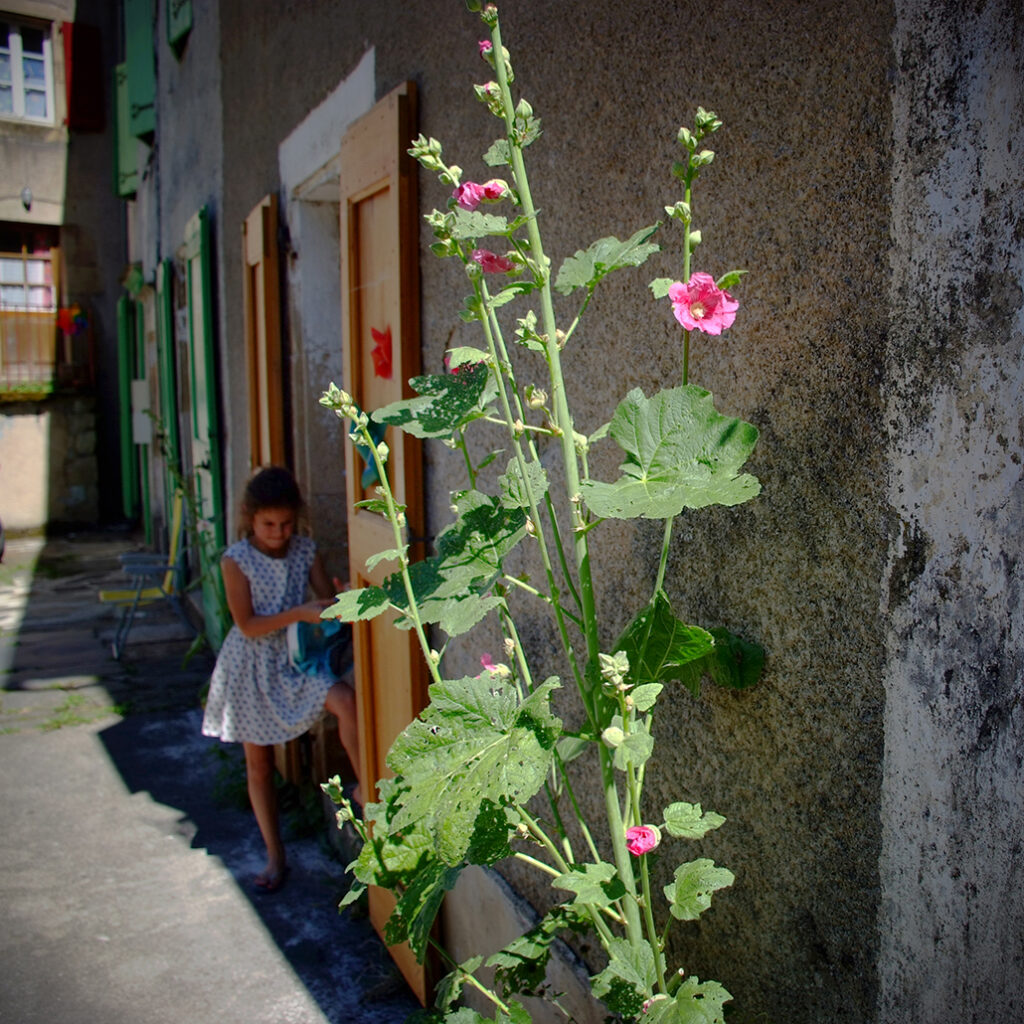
column 256, row 696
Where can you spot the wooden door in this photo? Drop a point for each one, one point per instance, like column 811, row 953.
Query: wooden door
column 262, row 307
column 380, row 341
column 203, row 423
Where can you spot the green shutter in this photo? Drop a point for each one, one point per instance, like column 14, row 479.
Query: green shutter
column 125, row 373
column 126, row 166
column 179, row 22
column 138, row 46
column 167, row 366
column 205, row 430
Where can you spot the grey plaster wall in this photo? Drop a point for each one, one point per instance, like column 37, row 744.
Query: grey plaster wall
column 952, row 912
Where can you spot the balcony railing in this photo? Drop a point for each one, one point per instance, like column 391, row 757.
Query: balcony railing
column 42, row 348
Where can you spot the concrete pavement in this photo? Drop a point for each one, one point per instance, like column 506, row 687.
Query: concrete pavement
column 127, row 855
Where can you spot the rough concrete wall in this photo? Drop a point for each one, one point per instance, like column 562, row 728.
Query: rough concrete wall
column 952, row 913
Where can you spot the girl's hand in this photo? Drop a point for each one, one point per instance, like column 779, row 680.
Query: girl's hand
column 310, row 611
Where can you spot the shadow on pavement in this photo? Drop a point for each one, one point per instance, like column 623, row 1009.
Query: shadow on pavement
column 60, row 683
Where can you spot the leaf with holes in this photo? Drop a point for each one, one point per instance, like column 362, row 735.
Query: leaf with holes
column 680, row 453
column 475, row 741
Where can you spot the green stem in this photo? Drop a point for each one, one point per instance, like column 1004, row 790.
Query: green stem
column 580, row 545
column 667, row 536
column 413, row 611
column 652, row 931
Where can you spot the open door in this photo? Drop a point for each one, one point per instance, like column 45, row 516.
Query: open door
column 380, row 340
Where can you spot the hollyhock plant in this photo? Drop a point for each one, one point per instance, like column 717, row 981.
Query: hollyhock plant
column 701, row 305
column 483, row 773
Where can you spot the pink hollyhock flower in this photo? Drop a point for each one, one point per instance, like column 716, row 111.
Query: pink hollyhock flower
column 491, row 263
column 488, row 662
column 700, row 304
column 485, row 47
column 470, row 195
column 641, row 839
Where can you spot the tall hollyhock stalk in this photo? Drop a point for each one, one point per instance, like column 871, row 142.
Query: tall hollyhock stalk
column 482, row 775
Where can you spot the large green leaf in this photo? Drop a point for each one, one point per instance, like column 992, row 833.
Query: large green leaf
column 477, row 224
column 596, row 884
column 629, row 976
column 446, row 402
column 690, row 821
column 659, row 645
column 474, row 742
column 680, row 453
column 689, row 893
column 522, row 964
column 586, row 268
column 694, row 1002
column 735, row 663
column 450, row 587
column 513, row 490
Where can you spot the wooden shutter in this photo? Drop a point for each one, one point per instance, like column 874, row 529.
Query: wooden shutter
column 203, row 422
column 141, row 65
column 126, row 165
column 262, row 307
column 380, row 311
column 83, row 77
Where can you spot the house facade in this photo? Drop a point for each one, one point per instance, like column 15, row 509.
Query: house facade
column 61, row 257
column 869, row 178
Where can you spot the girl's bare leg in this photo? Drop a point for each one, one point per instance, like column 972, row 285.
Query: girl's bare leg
column 259, row 769
column 341, row 702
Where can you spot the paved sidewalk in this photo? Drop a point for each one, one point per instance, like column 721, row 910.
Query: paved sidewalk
column 127, row 856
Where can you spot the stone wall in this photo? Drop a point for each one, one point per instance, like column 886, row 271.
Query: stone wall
column 48, row 463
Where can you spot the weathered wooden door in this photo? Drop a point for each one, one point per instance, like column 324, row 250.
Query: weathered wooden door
column 205, row 430
column 262, row 309
column 380, row 339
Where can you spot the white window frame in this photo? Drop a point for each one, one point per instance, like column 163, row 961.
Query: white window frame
column 13, row 47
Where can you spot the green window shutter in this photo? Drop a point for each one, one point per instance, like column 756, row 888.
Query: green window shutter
column 139, row 57
column 125, row 373
column 167, row 365
column 126, row 166
column 204, row 424
column 179, row 22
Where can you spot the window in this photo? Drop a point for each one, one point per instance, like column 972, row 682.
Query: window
column 26, row 282
column 26, row 72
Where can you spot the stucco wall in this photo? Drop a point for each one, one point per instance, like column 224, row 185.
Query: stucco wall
column 952, row 911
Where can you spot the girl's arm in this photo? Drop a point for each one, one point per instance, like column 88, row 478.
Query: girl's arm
column 236, row 589
column 321, row 584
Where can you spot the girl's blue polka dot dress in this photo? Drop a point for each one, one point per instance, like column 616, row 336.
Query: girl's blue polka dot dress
column 256, row 695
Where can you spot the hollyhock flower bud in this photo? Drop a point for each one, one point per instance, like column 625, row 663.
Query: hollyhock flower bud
column 491, row 263
column 641, row 839
column 701, row 305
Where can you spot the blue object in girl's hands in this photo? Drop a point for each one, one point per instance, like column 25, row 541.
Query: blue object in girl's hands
column 318, row 647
